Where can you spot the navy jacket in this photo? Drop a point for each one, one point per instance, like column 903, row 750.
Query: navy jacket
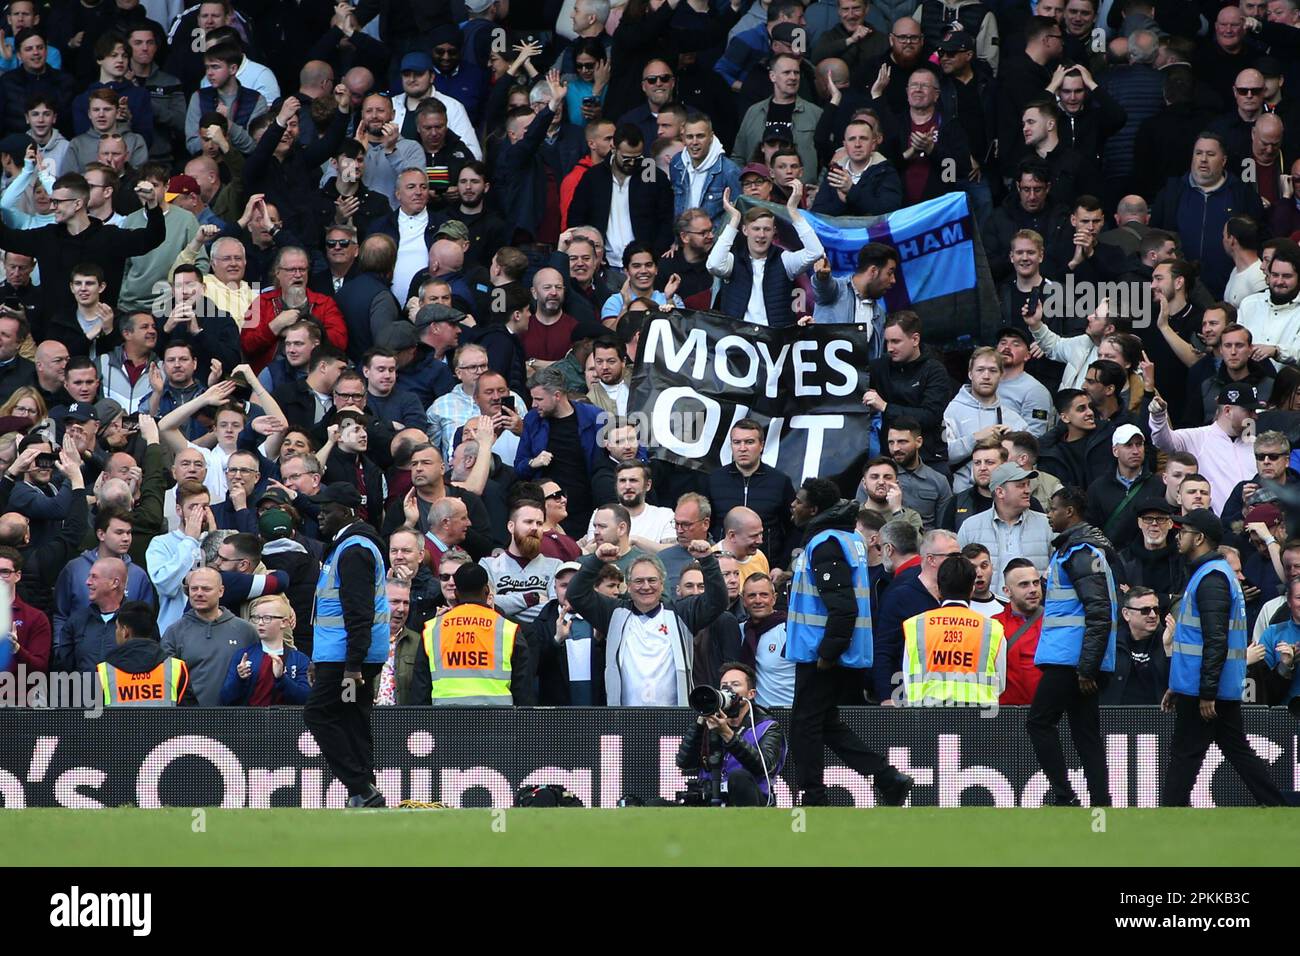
column 905, row 597
column 1198, row 218
column 537, row 432
column 290, row 688
column 650, row 204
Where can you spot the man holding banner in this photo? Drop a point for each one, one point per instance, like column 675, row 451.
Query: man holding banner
column 750, row 289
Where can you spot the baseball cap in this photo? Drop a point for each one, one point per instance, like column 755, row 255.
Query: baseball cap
column 1022, row 334
column 437, row 313
column 453, row 229
column 956, row 41
column 1157, row 505
column 81, row 412
column 418, row 62
column 338, row 493
column 774, row 132
column 470, row 579
column 397, row 336
column 1125, row 434
column 567, row 566
column 755, row 169
column 107, row 410
column 1266, row 513
column 785, row 32
column 16, row 146
column 182, row 185
column 1009, row 471
column 1205, row 521
column 274, row 523
column 1243, row 396
column 278, row 495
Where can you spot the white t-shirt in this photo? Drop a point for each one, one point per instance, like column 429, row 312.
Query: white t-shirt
column 775, row 673
column 655, row 523
column 1246, row 282
column 649, row 675
column 216, row 460
column 412, row 253
column 619, row 392
column 618, row 230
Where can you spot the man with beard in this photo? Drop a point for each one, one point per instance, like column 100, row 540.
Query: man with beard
column 625, row 201
column 829, row 640
column 612, row 388
column 1076, row 651
column 715, row 644
column 280, row 307
column 547, row 337
column 880, row 491
column 1023, row 76
column 521, row 576
column 924, row 489
column 652, row 525
column 1019, row 391
column 1237, row 366
column 858, row 298
column 1273, row 317
column 349, row 643
column 488, row 232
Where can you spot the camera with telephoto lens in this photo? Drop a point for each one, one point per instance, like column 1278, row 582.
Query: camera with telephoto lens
column 709, row 700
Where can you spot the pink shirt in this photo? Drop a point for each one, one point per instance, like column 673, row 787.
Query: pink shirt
column 1224, row 460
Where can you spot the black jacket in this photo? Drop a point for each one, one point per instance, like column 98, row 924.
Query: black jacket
column 521, row 673
column 1214, row 602
column 42, row 564
column 1087, row 130
column 1163, row 146
column 1089, row 583
column 878, row 191
column 767, row 491
column 1008, row 219
column 920, row 389
column 649, row 201
column 715, row 645
column 552, row 661
column 291, row 183
column 17, row 86
column 772, row 744
column 303, row 571
column 1104, row 497
column 1163, row 570
column 978, row 127
column 140, row 655
column 963, row 505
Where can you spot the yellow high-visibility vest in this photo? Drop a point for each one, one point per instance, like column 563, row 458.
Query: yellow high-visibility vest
column 950, row 655
column 469, row 651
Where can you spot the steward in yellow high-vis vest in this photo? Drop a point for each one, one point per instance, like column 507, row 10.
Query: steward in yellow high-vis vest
column 472, row 654
column 137, row 672
column 953, row 655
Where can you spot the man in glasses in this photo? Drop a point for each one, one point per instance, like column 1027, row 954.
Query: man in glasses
column 1272, row 463
column 281, row 306
column 1141, row 660
column 1151, row 558
column 1236, row 125
column 341, row 251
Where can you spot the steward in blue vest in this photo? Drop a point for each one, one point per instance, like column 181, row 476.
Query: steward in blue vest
column 1207, row 672
column 1076, row 652
column 748, row 738
column 828, row 636
column 349, row 642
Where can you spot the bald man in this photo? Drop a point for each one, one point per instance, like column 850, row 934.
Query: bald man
column 1132, row 225
column 1236, row 124
column 387, row 153
column 1266, row 154
column 743, row 537
column 207, row 637
column 85, row 638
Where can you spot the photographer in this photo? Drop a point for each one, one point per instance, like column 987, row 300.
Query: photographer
column 750, row 741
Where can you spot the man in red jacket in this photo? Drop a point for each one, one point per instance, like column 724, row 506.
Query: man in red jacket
column 280, row 307
column 1022, row 623
column 29, row 632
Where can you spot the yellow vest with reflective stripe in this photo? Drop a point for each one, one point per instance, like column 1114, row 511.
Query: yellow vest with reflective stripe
column 160, row 687
column 469, row 651
column 950, row 655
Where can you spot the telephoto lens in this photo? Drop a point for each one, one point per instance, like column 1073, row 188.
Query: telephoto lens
column 710, row 700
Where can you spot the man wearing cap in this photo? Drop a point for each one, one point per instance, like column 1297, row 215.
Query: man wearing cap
column 569, row 660
column 1207, row 672
column 1010, row 528
column 1018, row 390
column 1265, row 527
column 1225, row 454
column 349, row 643
column 472, row 654
column 438, row 328
column 1115, row 499
column 183, row 191
column 283, row 551
column 417, row 86
column 756, row 182
column 1151, row 558
column 784, row 109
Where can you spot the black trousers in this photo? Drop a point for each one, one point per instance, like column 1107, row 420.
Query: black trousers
column 1192, row 738
column 743, row 791
column 815, row 724
column 1058, row 695
column 340, row 722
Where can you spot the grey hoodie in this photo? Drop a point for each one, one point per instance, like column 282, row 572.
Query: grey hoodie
column 963, row 417
column 207, row 648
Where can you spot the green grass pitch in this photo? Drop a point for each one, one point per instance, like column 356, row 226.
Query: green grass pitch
column 645, row 837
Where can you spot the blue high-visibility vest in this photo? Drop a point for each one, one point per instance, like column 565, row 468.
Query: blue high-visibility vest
column 1185, row 665
column 1063, row 618
column 805, row 624
column 329, row 636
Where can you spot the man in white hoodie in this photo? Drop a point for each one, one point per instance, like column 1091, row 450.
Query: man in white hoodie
column 976, row 413
column 701, row 172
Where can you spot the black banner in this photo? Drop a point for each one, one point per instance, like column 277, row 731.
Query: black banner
column 700, row 372
column 478, row 757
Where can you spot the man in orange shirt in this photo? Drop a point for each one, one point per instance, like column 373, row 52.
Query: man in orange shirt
column 1022, row 622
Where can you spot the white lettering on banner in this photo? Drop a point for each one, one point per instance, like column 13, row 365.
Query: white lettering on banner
column 850, row 386
column 602, row 768
column 722, row 364
column 694, row 348
column 774, row 367
column 661, row 418
column 816, row 426
column 802, row 368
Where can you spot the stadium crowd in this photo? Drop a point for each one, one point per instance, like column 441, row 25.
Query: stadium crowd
column 255, row 249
